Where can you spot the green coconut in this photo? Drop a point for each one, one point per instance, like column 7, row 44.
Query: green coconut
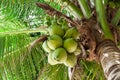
column 72, row 33
column 54, row 41
column 51, row 61
column 71, row 60
column 45, row 47
column 75, row 34
column 65, row 27
column 56, row 29
column 77, row 51
column 70, row 45
column 59, row 55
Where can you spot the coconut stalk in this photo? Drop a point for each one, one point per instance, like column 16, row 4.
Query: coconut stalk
column 116, row 18
column 109, row 57
column 85, row 8
column 102, row 19
column 75, row 11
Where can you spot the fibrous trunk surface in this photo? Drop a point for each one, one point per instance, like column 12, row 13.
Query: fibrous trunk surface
column 109, row 56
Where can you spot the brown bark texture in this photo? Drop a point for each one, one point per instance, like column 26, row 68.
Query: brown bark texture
column 109, row 56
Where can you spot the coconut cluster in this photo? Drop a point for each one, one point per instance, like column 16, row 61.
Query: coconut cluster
column 62, row 45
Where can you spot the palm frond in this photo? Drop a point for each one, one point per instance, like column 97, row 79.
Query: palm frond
column 56, row 72
column 91, row 71
column 17, row 61
column 2, row 41
column 17, row 18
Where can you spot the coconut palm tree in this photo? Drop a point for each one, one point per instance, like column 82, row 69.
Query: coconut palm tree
column 24, row 27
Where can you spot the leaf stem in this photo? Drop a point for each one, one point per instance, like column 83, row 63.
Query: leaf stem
column 76, row 12
column 116, row 18
column 22, row 32
column 85, row 8
column 102, row 18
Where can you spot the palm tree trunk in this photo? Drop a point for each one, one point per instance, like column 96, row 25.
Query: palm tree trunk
column 109, row 56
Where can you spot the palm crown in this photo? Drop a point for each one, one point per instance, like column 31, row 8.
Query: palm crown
column 22, row 23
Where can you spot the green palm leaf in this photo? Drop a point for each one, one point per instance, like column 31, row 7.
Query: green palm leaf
column 17, row 61
column 56, row 72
